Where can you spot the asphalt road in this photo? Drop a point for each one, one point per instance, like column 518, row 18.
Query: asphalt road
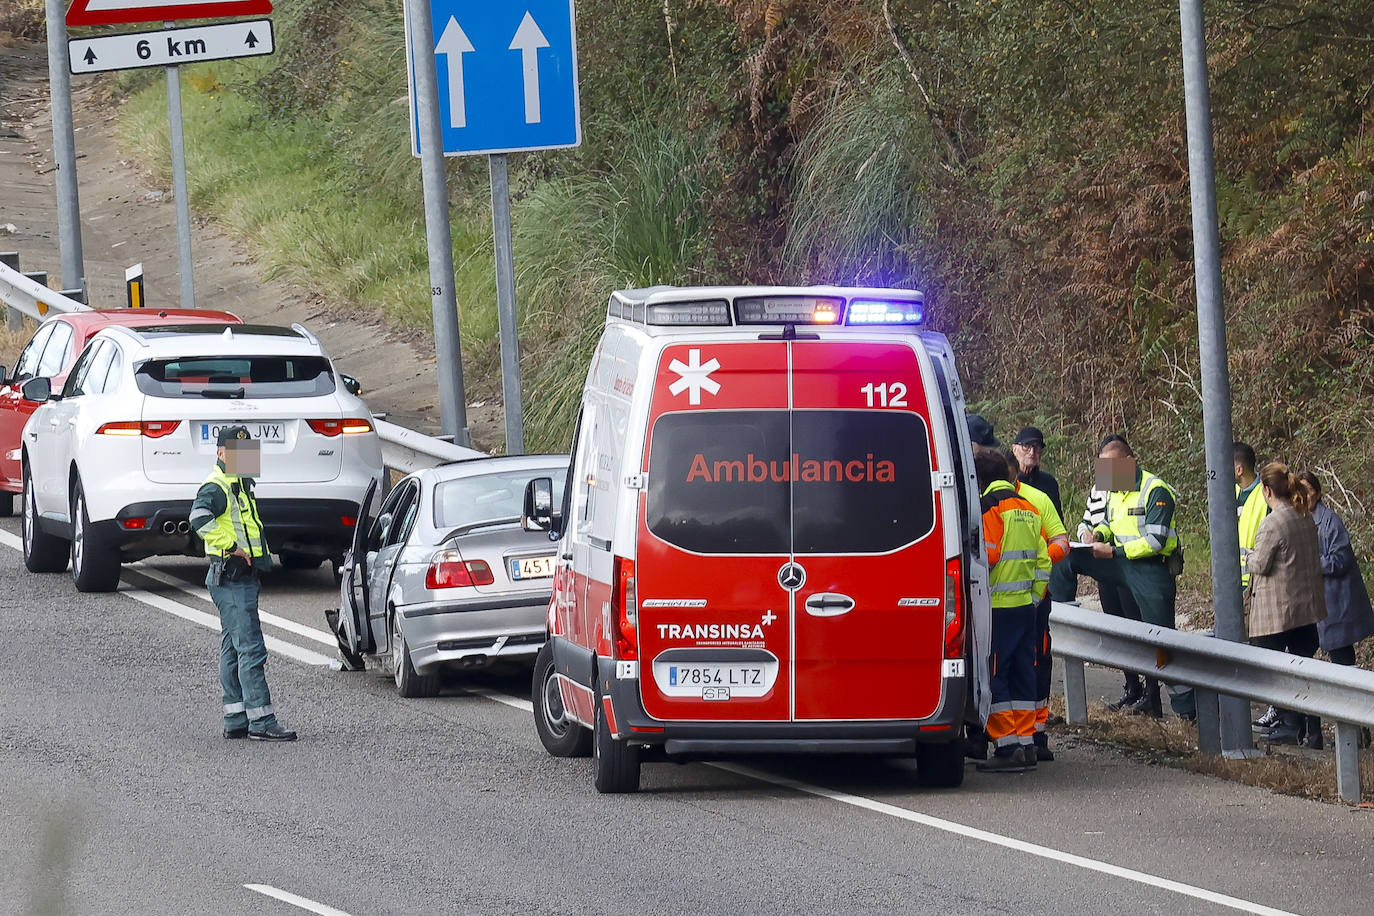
column 118, row 795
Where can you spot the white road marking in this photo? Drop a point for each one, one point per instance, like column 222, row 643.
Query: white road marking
column 507, row 699
column 963, row 830
column 211, row 621
column 324, row 637
column 304, row 903
column 973, row 833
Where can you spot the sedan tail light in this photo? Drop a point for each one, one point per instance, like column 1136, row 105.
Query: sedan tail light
column 348, row 426
column 153, row 429
column 448, row 570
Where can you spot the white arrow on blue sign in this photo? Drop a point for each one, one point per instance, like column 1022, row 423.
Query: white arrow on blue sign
column 507, row 76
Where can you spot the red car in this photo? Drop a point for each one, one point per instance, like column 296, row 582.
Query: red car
column 51, row 353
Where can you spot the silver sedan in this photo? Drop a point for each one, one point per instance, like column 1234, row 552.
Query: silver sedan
column 445, row 576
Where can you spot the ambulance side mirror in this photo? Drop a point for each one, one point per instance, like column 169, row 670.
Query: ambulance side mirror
column 538, row 512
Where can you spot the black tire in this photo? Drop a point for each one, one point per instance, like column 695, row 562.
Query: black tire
column 615, row 764
column 409, row 683
column 940, row 766
column 6, row 505
column 299, row 561
column 43, row 553
column 561, row 736
column 95, row 561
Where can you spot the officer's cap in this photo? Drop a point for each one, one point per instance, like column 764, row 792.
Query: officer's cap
column 228, row 434
column 980, row 431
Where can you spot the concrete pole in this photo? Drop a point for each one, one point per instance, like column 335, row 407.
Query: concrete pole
column 64, row 149
column 179, row 193
column 505, row 305
column 443, row 299
column 1216, row 385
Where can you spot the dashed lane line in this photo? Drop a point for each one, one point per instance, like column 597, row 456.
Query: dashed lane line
column 210, row 621
column 505, row 698
column 304, row 903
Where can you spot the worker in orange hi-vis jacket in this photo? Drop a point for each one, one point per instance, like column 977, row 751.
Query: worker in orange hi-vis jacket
column 1020, row 572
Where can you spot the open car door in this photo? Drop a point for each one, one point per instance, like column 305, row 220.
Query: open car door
column 350, row 622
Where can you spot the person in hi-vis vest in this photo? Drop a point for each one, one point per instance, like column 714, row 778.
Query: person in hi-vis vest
column 225, row 516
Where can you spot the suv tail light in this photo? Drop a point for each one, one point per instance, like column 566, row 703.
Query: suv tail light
column 448, row 570
column 348, row 426
column 625, row 611
column 153, row 429
column 954, row 610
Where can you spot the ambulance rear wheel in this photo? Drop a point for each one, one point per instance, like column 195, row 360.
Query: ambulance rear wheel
column 615, row 764
column 940, row 766
column 560, row 735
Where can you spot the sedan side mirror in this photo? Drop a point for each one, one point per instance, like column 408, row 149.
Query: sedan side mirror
column 37, row 390
column 351, row 385
column 538, row 511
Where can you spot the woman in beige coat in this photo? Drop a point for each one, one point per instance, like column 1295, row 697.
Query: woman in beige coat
column 1287, row 596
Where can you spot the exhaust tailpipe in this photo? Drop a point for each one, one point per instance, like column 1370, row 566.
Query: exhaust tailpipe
column 183, row 527
column 169, row 527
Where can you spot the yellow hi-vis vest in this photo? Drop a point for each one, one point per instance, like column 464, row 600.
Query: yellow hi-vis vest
column 1249, row 517
column 1016, row 550
column 238, row 525
column 1125, row 521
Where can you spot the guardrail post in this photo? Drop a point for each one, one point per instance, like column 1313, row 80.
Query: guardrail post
column 1075, row 692
column 14, row 319
column 1208, row 721
column 1348, row 762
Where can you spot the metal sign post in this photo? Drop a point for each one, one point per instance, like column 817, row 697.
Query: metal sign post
column 1236, row 739
column 185, row 266
column 509, row 85
column 64, row 150
column 443, row 298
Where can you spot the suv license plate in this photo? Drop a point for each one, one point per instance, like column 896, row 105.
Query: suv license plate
column 532, row 568
column 265, row 431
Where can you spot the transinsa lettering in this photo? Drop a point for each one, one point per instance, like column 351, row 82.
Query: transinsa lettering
column 809, row 470
column 710, row 631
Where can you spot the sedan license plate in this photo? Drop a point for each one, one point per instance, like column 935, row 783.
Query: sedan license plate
column 711, row 681
column 262, row 430
column 532, row 568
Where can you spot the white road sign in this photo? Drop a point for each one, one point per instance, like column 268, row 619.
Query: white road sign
column 170, row 47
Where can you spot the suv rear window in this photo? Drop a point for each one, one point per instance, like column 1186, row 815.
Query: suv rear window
column 236, row 377
column 814, row 481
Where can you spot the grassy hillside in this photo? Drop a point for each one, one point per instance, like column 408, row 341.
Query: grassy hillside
column 1022, row 162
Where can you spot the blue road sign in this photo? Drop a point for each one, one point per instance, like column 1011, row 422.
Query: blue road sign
column 507, row 75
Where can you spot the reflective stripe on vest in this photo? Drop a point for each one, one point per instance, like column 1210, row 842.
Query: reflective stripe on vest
column 244, row 527
column 1127, row 528
column 1013, row 580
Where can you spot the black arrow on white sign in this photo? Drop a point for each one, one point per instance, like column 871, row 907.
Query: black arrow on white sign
column 89, row 57
column 251, row 40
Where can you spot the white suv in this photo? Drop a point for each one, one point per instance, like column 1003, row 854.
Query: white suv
column 112, row 462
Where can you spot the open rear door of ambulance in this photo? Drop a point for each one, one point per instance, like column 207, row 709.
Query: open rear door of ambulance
column 867, row 533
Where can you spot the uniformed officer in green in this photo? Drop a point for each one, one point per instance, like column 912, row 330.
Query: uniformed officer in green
column 1250, row 505
column 1134, row 546
column 225, row 516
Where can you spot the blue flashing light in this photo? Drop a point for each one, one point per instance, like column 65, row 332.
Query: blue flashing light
column 882, row 311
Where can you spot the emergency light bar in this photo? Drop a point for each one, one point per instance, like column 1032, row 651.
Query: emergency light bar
column 667, row 306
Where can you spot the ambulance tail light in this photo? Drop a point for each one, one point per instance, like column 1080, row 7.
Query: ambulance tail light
column 625, row 611
column 954, row 610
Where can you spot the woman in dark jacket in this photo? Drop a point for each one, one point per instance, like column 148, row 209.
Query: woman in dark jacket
column 1349, row 617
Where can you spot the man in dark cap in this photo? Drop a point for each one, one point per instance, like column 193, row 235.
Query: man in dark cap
column 1028, row 447
column 225, row 516
column 980, row 432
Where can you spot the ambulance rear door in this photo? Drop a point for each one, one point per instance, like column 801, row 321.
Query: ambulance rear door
column 868, row 543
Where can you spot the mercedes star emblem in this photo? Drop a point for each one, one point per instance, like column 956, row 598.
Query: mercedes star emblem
column 791, row 576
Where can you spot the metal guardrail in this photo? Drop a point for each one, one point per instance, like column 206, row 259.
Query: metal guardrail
column 1217, row 667
column 31, row 298
column 406, row 450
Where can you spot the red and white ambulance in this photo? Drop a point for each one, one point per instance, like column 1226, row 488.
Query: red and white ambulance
column 770, row 539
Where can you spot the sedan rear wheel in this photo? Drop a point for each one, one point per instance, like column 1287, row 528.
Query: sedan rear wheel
column 409, row 683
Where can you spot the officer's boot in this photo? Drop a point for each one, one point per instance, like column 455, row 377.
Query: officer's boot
column 1149, row 703
column 1312, row 734
column 1130, row 695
